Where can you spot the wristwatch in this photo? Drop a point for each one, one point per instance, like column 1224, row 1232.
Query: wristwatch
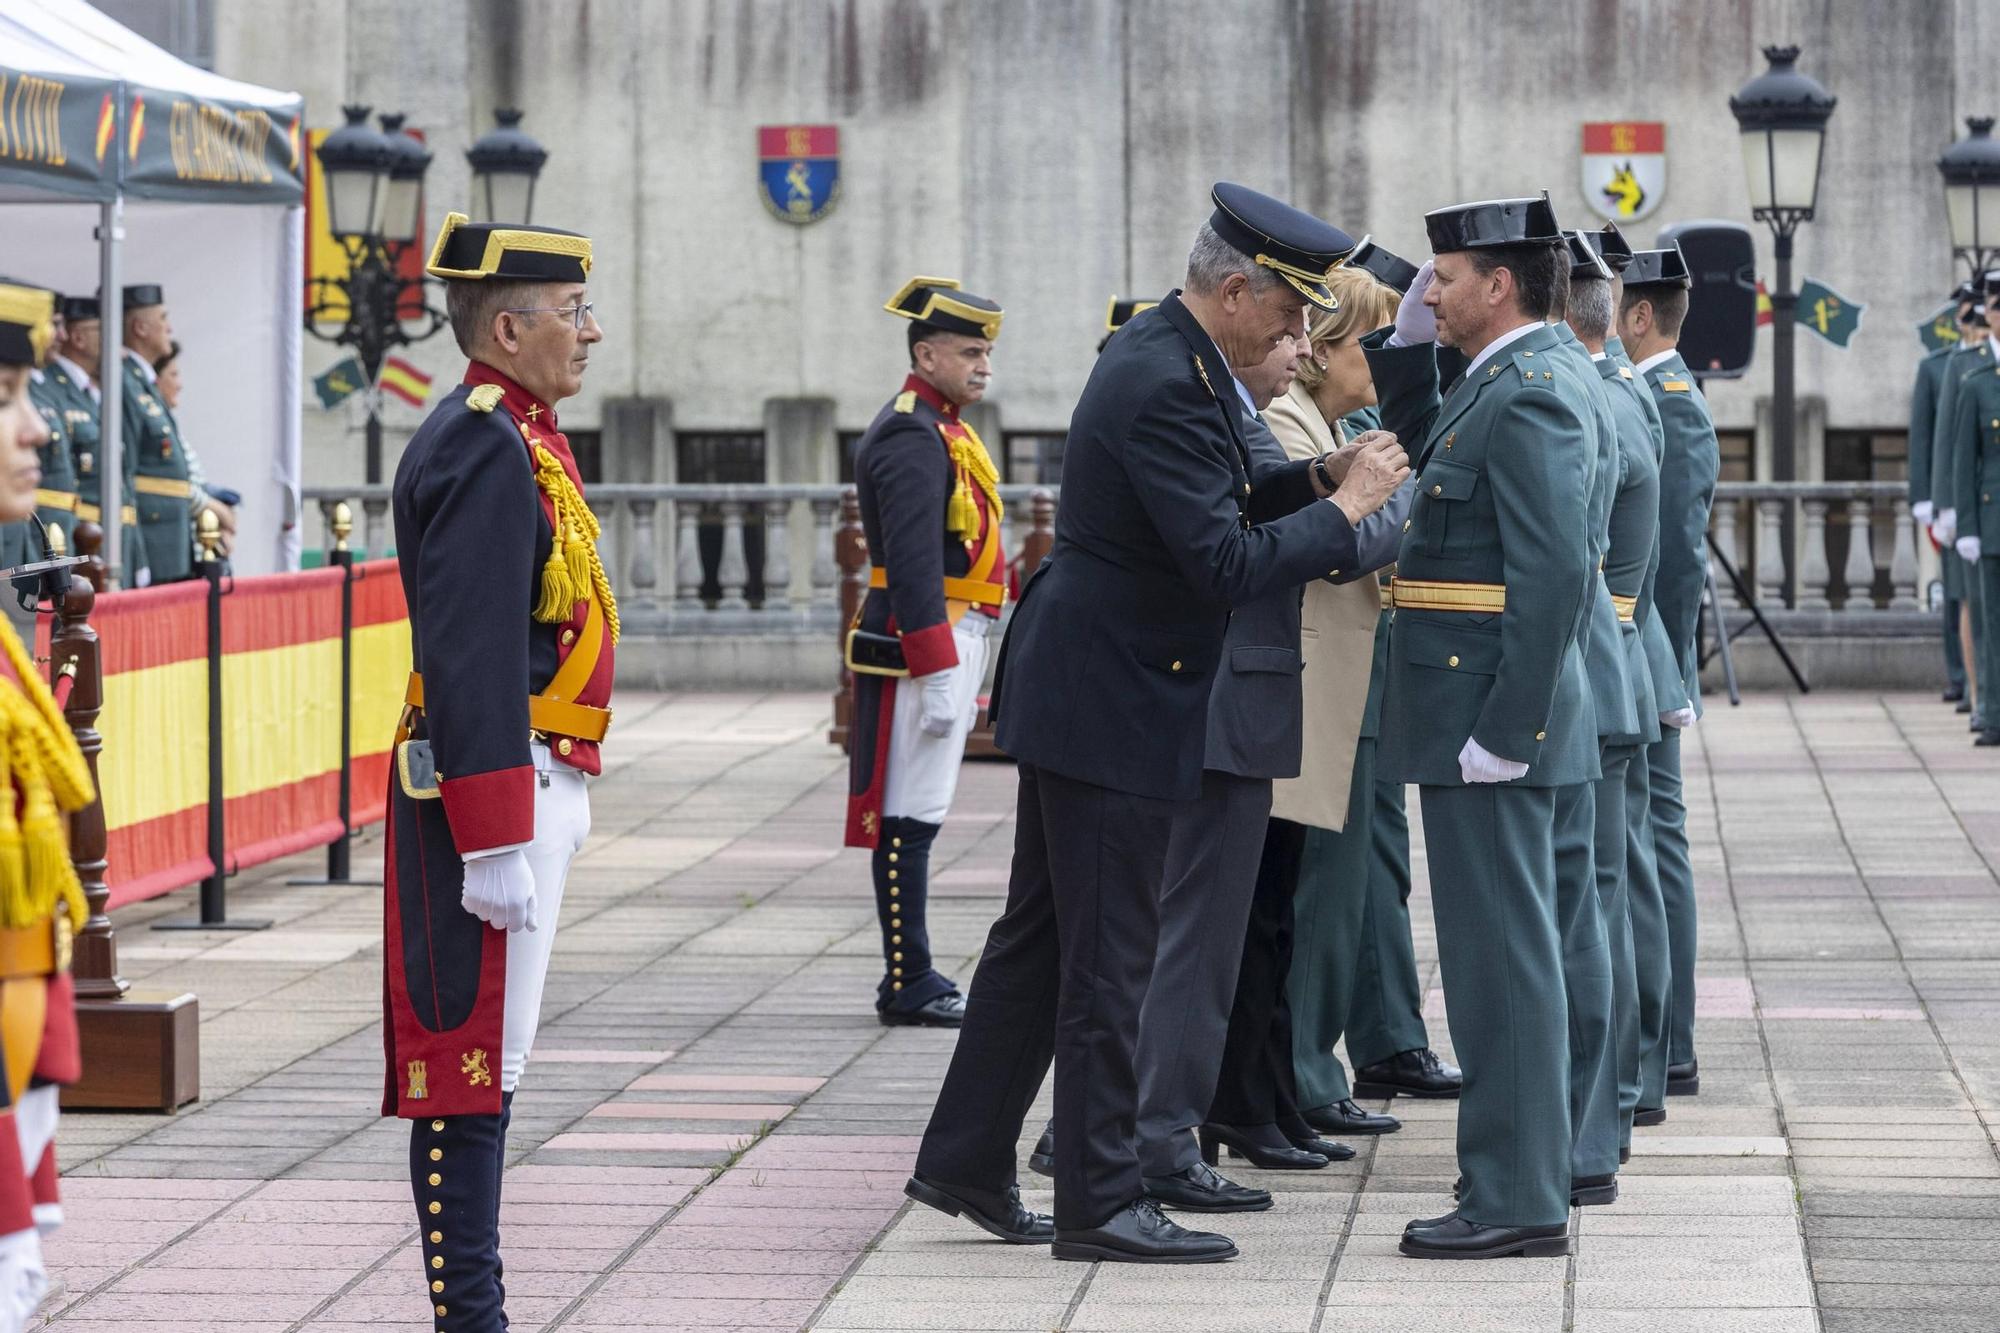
column 1325, row 477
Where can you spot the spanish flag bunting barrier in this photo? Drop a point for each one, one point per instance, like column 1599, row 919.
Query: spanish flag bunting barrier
column 281, row 639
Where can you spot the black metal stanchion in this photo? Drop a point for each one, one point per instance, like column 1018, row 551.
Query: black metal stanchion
column 339, row 854
column 214, row 906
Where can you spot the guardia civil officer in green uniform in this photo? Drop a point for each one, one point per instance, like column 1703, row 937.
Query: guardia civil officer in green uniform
column 1974, row 434
column 1650, row 315
column 1975, row 350
column 55, row 498
column 1486, row 707
column 164, row 494
column 73, row 371
column 1923, row 430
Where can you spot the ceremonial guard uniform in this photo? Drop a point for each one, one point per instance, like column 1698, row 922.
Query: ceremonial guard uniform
column 937, row 578
column 43, row 776
column 1974, row 434
column 1102, row 698
column 512, row 623
column 84, row 414
column 1491, row 587
column 55, row 498
column 1689, row 465
column 160, row 486
column 1923, row 431
column 1959, row 584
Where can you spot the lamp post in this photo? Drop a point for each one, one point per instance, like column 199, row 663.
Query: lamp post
column 1781, row 115
column 505, row 162
column 1971, row 171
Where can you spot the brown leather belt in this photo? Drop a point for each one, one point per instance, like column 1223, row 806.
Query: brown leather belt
column 558, row 717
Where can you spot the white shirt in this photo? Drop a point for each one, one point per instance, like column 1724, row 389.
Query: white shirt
column 1597, row 356
column 1511, row 336
column 77, row 373
column 1243, row 392
column 1654, row 360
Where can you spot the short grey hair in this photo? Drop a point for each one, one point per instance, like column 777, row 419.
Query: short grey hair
column 1213, row 259
column 470, row 304
column 1589, row 308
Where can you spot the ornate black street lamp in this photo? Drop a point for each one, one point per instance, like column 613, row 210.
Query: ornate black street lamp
column 505, row 162
column 1971, row 171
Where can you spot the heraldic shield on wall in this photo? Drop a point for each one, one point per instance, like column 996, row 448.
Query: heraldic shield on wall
column 799, row 168
column 1624, row 167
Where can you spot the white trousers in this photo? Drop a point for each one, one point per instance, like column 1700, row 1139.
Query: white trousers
column 923, row 770
column 562, row 822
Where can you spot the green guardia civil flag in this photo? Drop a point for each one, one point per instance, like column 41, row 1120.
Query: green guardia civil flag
column 1939, row 328
column 341, row 379
column 1828, row 313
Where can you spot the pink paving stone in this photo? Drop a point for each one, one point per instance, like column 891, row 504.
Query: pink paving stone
column 632, row 1314
column 202, row 1282
column 1837, row 1013
column 968, row 875
column 727, row 1286
column 726, row 1083
column 628, row 1178
column 647, row 1142
column 92, row 1324
column 316, row 1190
column 1724, row 997
column 702, row 1213
column 137, row 1187
column 196, row 1252
column 811, row 1144
column 691, row 1239
column 218, row 1311
column 570, row 1236
column 692, row 1110
column 826, row 1264
column 580, row 1057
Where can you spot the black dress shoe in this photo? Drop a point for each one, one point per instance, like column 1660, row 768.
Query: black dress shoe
column 1624, row 1156
column 1684, row 1080
column 1042, row 1161
column 998, row 1214
column 1327, row 1148
column 1255, row 1147
column 1590, row 1191
column 1200, row 1189
column 1964, row 706
column 1953, row 693
column 1426, row 1223
column 1650, row 1115
column 1418, row 1073
column 946, row 1011
column 1345, row 1117
column 1990, row 736
column 1140, row 1233
column 1457, row 1238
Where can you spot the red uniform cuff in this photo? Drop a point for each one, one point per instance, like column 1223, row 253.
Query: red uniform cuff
column 495, row 809
column 930, row 649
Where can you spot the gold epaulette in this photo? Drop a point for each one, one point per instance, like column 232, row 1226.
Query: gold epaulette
column 1675, row 386
column 485, row 397
column 906, row 401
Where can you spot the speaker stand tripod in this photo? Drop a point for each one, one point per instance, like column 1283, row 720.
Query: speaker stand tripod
column 1712, row 604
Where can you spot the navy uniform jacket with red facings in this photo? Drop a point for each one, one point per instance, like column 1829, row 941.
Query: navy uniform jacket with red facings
column 903, row 480
column 473, row 531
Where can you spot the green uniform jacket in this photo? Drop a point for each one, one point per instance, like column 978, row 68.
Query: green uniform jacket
column 1688, row 469
column 1975, row 437
column 83, row 416
column 1503, row 497
column 1632, row 557
column 58, row 463
column 153, row 443
column 1662, row 663
column 1604, row 664
column 1923, row 419
column 1945, row 469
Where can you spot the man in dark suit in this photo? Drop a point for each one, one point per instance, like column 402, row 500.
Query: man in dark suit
column 1102, row 698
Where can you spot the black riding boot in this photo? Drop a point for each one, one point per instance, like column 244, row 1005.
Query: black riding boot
column 455, row 1164
column 902, row 877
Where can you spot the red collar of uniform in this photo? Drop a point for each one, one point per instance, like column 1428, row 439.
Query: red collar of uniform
column 927, row 391
column 523, row 405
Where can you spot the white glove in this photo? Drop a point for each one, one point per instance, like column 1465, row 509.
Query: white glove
column 1967, row 547
column 1416, row 322
column 1678, row 718
column 1923, row 511
column 500, row 890
column 1478, row 764
column 1945, row 526
column 23, row 1280
column 938, row 714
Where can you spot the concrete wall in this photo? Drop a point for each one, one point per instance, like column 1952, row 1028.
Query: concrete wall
column 1051, row 152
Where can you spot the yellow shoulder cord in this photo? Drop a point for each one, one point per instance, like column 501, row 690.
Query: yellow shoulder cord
column 574, row 570
column 972, row 464
column 49, row 773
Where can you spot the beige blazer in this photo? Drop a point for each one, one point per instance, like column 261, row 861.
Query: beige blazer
column 1337, row 638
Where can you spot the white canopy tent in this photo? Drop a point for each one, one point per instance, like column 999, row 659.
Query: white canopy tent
column 120, row 164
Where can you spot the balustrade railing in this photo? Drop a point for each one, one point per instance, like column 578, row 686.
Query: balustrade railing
column 713, row 559
column 1856, row 546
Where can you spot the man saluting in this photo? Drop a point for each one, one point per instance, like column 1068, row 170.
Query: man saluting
column 512, row 624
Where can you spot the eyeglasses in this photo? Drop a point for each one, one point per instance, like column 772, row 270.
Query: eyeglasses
column 579, row 314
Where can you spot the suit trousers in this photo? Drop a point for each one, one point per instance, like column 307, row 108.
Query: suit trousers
column 1063, row 975
column 1212, row 857
column 1985, row 577
column 1954, row 652
column 1256, row 1084
column 1652, row 957
column 1670, row 853
column 1493, row 891
column 1593, row 1056
column 1614, row 856
column 1387, row 1017
column 1330, row 908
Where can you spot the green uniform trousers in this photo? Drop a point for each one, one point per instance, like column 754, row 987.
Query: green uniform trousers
column 1652, row 965
column 1986, row 635
column 1330, row 910
column 1616, row 800
column 1493, row 878
column 1586, row 964
column 1387, row 1017
column 1676, row 871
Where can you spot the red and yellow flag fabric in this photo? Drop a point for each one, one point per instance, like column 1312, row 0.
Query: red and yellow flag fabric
column 405, row 381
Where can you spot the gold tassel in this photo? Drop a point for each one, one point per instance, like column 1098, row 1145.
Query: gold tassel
column 577, row 553
column 558, row 594
column 575, row 570
column 15, row 907
column 961, row 515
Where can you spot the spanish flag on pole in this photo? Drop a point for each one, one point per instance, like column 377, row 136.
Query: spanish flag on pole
column 1765, row 314
column 405, row 381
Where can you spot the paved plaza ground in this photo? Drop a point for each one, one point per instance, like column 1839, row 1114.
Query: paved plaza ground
column 714, row 1131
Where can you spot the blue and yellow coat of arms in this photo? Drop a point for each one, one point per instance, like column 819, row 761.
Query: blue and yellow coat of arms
column 799, row 168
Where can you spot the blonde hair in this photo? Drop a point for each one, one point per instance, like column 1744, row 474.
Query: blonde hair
column 1365, row 306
